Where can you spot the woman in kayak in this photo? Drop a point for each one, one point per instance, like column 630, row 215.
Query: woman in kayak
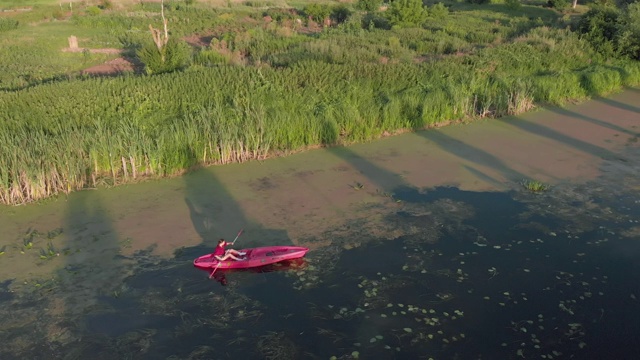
column 222, row 254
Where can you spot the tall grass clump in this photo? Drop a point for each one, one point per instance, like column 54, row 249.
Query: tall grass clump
column 7, row 24
column 174, row 55
column 534, row 186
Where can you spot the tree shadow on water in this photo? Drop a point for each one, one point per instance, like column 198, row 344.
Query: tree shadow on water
column 150, row 307
column 216, row 214
column 92, row 275
column 618, row 104
column 385, row 179
column 470, row 153
column 549, row 133
column 605, row 124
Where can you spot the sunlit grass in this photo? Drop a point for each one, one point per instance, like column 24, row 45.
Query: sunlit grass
column 278, row 92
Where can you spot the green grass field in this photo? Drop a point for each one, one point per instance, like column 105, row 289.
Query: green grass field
column 256, row 87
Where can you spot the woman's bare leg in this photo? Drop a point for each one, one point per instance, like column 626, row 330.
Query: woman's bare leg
column 226, row 256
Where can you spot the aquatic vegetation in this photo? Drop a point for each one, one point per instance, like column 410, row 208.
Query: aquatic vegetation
column 357, row 186
column 276, row 346
column 54, row 233
column 534, row 185
column 547, row 287
column 49, row 252
column 29, row 238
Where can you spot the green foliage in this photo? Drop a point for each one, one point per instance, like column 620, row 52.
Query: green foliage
column 628, row 36
column 407, row 13
column 106, row 5
column 376, row 21
column 513, row 4
column 479, row 2
column 369, row 5
column 210, row 57
column 175, row 55
column 317, row 12
column 438, row 11
column 534, row 185
column 340, row 14
column 7, row 24
column 280, row 14
column 93, row 10
column 260, row 90
column 600, row 27
column 559, row 4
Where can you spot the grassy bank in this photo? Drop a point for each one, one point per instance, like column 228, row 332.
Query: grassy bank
column 273, row 88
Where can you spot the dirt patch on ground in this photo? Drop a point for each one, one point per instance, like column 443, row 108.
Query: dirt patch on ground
column 114, row 67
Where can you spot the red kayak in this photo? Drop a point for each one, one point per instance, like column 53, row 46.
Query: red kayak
column 254, row 257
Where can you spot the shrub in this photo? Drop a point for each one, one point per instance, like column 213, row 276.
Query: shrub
column 407, row 13
column 513, row 4
column 340, row 14
column 210, row 57
column 93, row 10
column 317, row 12
column 558, row 4
column 438, row 11
column 600, row 27
column 368, row 5
column 175, row 55
column 7, row 24
column 279, row 14
column 628, row 37
column 375, row 21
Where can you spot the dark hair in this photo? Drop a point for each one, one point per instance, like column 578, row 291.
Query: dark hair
column 220, row 241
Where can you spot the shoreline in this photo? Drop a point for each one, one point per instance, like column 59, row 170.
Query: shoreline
column 304, row 195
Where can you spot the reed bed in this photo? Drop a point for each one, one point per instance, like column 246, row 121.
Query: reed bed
column 293, row 94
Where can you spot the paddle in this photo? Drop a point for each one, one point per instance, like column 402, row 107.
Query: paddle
column 220, row 262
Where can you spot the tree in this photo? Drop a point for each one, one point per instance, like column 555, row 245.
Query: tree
column 158, row 38
column 167, row 55
column 629, row 31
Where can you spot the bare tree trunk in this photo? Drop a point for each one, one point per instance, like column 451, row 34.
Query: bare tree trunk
column 575, row 3
column 158, row 37
column 166, row 32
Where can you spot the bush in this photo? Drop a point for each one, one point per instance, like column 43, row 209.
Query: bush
column 279, row 14
column 175, row 55
column 513, row 4
column 93, row 11
column 7, row 24
column 375, row 21
column 407, row 13
column 369, row 5
column 600, row 27
column 558, row 4
column 628, row 37
column 317, row 12
column 438, row 11
column 340, row 14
